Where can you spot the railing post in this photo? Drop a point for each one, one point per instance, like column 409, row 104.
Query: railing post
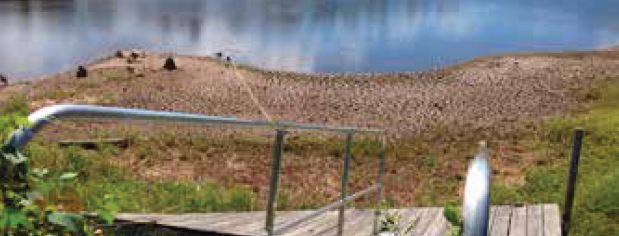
column 571, row 182
column 275, row 171
column 344, row 187
column 379, row 183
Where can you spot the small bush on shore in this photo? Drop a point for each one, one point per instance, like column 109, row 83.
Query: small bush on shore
column 23, row 210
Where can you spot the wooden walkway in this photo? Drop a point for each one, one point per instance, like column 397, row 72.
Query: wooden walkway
column 531, row 220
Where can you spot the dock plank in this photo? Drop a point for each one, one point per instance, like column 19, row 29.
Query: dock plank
column 518, row 224
column 351, row 223
column 491, row 218
column 363, row 226
column 500, row 221
column 425, row 220
column 552, row 222
column 428, row 216
column 439, row 225
column 359, row 222
column 531, row 220
column 325, row 222
column 535, row 222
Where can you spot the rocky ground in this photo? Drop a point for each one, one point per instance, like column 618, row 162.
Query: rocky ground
column 482, row 93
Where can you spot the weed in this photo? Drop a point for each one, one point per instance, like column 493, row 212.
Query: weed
column 429, row 161
column 23, row 209
column 452, row 213
column 391, row 224
column 15, row 105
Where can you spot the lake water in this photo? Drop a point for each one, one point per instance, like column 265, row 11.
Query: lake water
column 45, row 36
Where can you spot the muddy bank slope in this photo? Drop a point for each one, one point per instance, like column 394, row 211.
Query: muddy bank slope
column 480, row 94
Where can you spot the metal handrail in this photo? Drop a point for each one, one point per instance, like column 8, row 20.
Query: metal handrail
column 345, row 198
column 476, row 205
column 42, row 117
column 332, row 206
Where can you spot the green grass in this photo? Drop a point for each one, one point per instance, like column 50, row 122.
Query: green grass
column 596, row 207
column 12, row 114
column 98, row 176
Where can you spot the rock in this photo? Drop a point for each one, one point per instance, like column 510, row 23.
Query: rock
column 81, row 72
column 120, row 54
column 438, row 106
column 132, row 60
column 170, row 65
column 135, row 54
column 228, row 61
column 131, row 69
column 4, row 80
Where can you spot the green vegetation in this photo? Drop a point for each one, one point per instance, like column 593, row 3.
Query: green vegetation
column 98, row 176
column 596, row 207
column 392, row 224
column 38, row 192
column 12, row 115
column 102, row 185
column 452, row 214
column 23, row 210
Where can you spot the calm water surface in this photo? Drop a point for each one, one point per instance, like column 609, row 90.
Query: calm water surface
column 44, row 36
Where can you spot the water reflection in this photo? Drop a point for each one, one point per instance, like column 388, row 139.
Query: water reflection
column 45, row 36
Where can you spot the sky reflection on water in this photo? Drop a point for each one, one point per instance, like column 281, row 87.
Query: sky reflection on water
column 44, row 36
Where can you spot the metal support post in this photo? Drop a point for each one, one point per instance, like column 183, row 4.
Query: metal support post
column 379, row 183
column 275, row 172
column 344, row 187
column 571, row 182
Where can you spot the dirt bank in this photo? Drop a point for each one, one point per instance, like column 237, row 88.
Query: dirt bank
column 480, row 94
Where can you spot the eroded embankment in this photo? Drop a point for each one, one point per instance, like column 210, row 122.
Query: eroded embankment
column 483, row 93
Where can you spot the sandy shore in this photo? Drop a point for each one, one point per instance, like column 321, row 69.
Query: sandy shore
column 479, row 94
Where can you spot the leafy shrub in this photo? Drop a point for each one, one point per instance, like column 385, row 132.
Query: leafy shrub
column 23, row 210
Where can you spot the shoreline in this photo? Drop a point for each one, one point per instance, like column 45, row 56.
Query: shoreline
column 567, row 53
column 483, row 93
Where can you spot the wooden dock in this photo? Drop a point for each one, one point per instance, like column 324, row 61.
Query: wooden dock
column 529, row 220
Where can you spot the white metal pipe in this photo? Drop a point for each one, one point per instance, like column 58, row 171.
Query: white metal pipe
column 476, row 205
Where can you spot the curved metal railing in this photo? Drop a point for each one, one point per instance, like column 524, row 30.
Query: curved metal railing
column 39, row 119
column 42, row 117
column 476, row 206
